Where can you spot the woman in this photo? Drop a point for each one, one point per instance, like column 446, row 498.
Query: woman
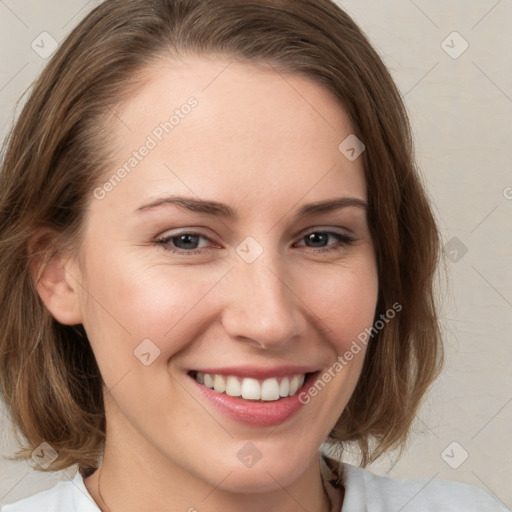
column 216, row 257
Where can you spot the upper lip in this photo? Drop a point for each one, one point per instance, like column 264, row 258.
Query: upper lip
column 258, row 372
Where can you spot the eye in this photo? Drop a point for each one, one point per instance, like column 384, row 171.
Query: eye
column 184, row 243
column 189, row 243
column 319, row 240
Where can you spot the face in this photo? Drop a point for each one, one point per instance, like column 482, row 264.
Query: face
column 209, row 262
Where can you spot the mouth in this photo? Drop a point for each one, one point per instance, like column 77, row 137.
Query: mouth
column 248, row 388
column 254, row 396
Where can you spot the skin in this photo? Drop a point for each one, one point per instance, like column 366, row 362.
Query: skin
column 265, row 144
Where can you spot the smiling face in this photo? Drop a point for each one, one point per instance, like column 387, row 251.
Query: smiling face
column 211, row 255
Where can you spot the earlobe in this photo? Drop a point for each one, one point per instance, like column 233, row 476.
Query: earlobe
column 57, row 286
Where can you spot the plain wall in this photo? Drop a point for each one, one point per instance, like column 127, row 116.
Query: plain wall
column 461, row 111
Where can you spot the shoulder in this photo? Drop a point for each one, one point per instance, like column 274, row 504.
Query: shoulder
column 381, row 494
column 66, row 496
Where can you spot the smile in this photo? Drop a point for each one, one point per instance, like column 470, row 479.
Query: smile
column 269, row 390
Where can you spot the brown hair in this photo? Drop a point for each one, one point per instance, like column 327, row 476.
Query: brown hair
column 58, row 151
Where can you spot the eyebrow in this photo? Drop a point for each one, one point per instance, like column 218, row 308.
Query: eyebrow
column 223, row 210
column 331, row 204
column 194, row 205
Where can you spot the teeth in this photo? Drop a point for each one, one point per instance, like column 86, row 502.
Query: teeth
column 252, row 389
column 270, row 390
column 208, row 381
column 296, row 383
column 219, row 384
column 284, row 388
column 233, row 387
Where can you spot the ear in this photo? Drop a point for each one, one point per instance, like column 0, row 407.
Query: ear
column 54, row 274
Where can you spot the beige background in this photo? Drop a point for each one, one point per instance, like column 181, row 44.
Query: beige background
column 461, row 109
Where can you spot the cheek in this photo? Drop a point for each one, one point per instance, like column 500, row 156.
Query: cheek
column 344, row 298
column 128, row 302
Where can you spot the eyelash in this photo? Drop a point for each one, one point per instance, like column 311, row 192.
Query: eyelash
column 343, row 240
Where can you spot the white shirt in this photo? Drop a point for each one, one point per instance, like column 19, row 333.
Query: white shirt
column 364, row 492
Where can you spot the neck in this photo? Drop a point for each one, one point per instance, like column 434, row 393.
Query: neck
column 115, row 488
column 118, row 491
column 135, row 476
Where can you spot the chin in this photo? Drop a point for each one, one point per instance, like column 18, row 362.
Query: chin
column 252, row 481
column 271, row 473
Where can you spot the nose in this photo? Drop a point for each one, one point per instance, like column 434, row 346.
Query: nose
column 261, row 306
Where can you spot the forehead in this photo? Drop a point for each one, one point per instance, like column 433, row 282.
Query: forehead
column 217, row 126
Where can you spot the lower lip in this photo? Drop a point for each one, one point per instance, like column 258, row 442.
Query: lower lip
column 254, row 412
